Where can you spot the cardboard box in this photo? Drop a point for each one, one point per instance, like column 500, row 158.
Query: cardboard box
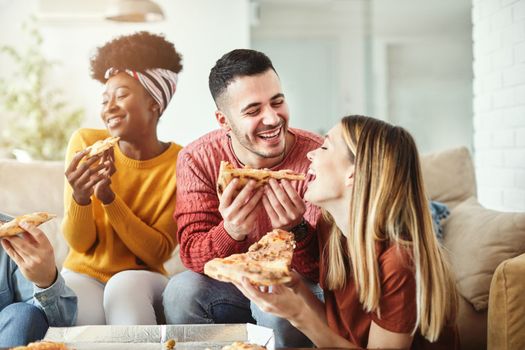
column 192, row 337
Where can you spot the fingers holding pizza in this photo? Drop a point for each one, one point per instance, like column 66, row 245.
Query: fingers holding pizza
column 240, row 191
column 91, row 167
column 239, row 208
column 102, row 189
column 101, row 146
column 12, row 226
column 281, row 300
column 29, row 248
column 283, row 204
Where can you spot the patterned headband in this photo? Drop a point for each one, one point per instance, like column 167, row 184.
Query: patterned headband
column 159, row 83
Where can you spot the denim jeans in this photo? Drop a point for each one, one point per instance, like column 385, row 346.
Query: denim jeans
column 193, row 298
column 58, row 302
column 21, row 323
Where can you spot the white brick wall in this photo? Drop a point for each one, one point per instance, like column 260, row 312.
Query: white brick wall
column 499, row 102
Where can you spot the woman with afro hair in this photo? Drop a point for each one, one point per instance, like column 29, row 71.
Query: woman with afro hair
column 118, row 206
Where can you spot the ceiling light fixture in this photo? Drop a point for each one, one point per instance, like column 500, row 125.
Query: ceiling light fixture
column 134, row 11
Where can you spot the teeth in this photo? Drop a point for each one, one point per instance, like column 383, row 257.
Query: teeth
column 113, row 120
column 273, row 134
column 311, row 172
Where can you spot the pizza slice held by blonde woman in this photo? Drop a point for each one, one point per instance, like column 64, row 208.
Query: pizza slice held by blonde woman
column 266, row 263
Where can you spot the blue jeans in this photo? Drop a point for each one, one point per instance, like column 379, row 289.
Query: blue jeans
column 21, row 323
column 193, row 298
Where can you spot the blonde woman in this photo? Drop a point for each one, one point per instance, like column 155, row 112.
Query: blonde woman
column 385, row 280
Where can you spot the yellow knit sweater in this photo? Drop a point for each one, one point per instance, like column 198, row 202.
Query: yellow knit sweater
column 134, row 232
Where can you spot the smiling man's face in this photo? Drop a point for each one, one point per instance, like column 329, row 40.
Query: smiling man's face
column 254, row 110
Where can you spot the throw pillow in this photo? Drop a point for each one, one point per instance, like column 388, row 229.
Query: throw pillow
column 478, row 240
column 449, row 176
column 439, row 212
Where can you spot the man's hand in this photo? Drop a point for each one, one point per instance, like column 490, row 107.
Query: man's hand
column 83, row 177
column 284, row 205
column 240, row 211
column 33, row 254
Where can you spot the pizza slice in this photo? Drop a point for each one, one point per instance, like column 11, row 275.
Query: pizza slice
column 227, row 172
column 42, row 345
column 266, row 263
column 12, row 228
column 239, row 345
column 169, row 344
column 101, row 145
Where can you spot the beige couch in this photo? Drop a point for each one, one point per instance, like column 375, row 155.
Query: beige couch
column 39, row 186
column 476, row 239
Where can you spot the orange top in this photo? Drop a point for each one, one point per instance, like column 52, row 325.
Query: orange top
column 345, row 314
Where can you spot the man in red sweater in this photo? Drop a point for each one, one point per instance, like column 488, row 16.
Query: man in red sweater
column 253, row 117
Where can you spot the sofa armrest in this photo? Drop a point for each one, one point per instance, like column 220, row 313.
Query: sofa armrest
column 506, row 315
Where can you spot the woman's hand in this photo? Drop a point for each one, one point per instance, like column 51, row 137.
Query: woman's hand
column 83, row 176
column 102, row 188
column 284, row 301
column 297, row 304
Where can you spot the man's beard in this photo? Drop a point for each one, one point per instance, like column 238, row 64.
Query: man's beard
column 245, row 142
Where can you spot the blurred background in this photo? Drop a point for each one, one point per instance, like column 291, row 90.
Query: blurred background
column 450, row 71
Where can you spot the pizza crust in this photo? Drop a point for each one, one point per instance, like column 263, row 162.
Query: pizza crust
column 239, row 345
column 42, row 345
column 266, row 263
column 227, row 172
column 169, row 344
column 101, row 145
column 12, row 228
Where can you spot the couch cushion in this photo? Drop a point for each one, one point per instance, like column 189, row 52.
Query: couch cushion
column 449, row 176
column 472, row 326
column 30, row 187
column 35, row 186
column 39, row 186
column 478, row 240
column 507, row 306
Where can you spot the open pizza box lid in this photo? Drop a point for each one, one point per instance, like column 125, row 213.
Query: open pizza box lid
column 202, row 336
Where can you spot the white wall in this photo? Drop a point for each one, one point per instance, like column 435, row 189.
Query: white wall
column 309, row 78
column 430, row 91
column 318, row 49
column 406, row 61
column 499, row 102
column 202, row 30
column 422, row 69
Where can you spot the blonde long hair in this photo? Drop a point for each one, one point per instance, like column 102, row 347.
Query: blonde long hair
column 389, row 204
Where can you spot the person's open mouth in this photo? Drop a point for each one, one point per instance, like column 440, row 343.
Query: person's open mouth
column 114, row 121
column 271, row 135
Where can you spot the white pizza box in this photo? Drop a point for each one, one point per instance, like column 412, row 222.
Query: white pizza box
column 201, row 336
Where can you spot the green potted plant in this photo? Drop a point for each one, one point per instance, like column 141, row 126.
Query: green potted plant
column 39, row 122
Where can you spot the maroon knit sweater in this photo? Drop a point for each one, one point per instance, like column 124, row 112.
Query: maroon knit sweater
column 201, row 232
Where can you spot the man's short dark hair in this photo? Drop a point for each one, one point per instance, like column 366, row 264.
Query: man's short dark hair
column 234, row 64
